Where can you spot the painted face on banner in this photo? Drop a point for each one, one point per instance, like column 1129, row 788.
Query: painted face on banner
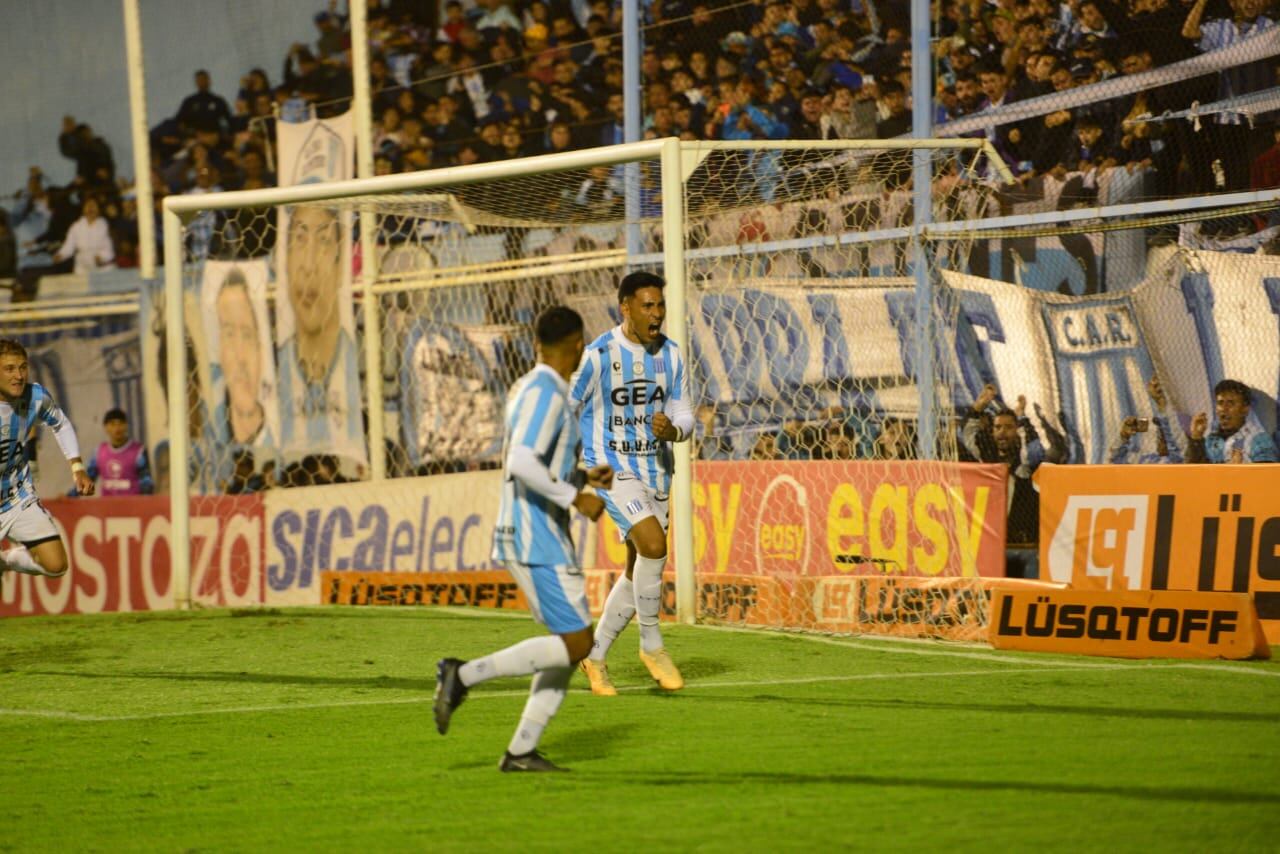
column 314, row 268
column 241, row 348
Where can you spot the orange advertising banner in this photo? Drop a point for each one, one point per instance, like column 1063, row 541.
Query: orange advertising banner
column 481, row 589
column 817, row 518
column 1127, row 623
column 1204, row 528
column 956, row 609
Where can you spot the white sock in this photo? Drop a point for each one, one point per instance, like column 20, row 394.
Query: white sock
column 648, row 582
column 528, row 656
column 619, row 608
column 20, row 560
column 545, row 697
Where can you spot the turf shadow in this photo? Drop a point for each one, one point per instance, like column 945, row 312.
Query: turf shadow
column 1190, row 794
column 1005, row 708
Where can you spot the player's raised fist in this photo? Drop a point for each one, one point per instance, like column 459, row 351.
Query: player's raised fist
column 589, row 505
column 663, row 428
column 600, row 477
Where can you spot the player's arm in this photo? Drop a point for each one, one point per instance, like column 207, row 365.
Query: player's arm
column 584, row 380
column 530, row 445
column 52, row 415
column 675, row 422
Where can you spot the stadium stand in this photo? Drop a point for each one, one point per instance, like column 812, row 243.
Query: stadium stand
column 489, row 81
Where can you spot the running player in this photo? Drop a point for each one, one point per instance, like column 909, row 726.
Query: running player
column 37, row 549
column 532, row 539
column 633, row 390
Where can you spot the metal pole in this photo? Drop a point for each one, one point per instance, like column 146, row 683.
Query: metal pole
column 633, row 101
column 678, row 327
column 179, row 418
column 922, row 208
column 362, row 104
column 141, row 142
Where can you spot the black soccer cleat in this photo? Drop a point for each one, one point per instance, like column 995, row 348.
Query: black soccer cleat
column 450, row 692
column 531, row 761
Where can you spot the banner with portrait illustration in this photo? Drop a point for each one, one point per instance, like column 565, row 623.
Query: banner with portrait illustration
column 88, row 370
column 316, row 358
column 241, row 395
column 154, row 340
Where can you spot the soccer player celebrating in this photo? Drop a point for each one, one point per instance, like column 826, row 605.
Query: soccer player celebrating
column 532, row 540
column 38, row 549
column 633, row 390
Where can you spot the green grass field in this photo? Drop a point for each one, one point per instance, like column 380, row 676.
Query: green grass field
column 311, row 729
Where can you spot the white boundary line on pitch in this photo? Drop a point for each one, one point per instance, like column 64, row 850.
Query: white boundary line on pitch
column 917, row 646
column 927, row 647
column 482, row 695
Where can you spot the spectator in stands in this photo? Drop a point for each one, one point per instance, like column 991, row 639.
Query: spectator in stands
column 331, row 41
column 95, row 167
column 1087, row 20
column 1231, row 130
column 119, row 466
column 388, row 134
column 897, row 117
column 1015, row 443
column 29, row 220
column 765, row 448
column 807, row 124
column 896, row 440
column 202, row 228
column 1090, row 148
column 848, row 117
column 1238, row 437
column 840, row 442
column 1006, row 137
column 454, row 21
column 203, row 110
column 1133, row 430
column 709, row 444
column 86, row 248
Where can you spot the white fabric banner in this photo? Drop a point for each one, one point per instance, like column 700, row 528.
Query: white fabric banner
column 319, row 382
column 241, row 399
column 1199, row 318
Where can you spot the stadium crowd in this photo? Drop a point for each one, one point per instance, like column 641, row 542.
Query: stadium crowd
column 490, row 80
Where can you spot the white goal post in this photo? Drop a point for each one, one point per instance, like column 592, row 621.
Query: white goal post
column 677, row 162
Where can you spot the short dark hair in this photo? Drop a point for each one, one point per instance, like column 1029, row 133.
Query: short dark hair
column 1234, row 387
column 633, row 282
column 557, row 323
column 116, row 414
column 10, row 347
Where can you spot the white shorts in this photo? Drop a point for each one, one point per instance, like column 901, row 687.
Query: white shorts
column 28, row 523
column 630, row 501
column 557, row 595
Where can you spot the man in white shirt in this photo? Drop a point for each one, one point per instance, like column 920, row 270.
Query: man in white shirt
column 88, row 242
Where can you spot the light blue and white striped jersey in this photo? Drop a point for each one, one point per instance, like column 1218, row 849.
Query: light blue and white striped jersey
column 17, row 424
column 321, row 417
column 532, row 528
column 620, row 386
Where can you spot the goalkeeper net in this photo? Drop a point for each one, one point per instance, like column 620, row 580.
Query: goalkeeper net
column 837, row 480
column 804, row 327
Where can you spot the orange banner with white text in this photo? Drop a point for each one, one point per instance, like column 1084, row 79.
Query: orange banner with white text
column 1127, row 623
column 1191, row 527
column 817, row 518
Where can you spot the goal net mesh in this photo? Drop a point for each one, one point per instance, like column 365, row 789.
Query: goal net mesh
column 843, row 479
